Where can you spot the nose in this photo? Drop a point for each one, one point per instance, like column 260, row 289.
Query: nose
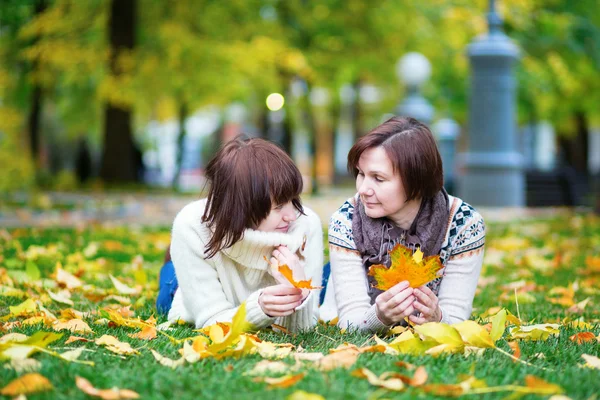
column 290, row 213
column 363, row 188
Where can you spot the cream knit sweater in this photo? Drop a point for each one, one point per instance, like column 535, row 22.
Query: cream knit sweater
column 210, row 290
column 461, row 255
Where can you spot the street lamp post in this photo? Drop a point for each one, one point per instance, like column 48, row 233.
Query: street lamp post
column 414, row 69
column 446, row 132
column 492, row 166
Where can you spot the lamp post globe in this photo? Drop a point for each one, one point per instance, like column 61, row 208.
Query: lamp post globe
column 413, row 69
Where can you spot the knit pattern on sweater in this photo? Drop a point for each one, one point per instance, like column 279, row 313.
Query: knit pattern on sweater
column 461, row 255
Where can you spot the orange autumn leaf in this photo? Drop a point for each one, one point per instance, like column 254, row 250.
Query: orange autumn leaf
column 583, row 337
column 106, row 394
column 514, row 346
column 148, row 333
column 72, row 339
column 288, row 274
column 405, row 266
column 26, row 384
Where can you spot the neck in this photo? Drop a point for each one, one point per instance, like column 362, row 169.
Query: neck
column 405, row 217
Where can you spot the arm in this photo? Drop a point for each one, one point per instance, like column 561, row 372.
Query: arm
column 349, row 278
column 461, row 274
column 199, row 285
column 307, row 314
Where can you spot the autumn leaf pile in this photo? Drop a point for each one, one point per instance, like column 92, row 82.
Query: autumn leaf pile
column 81, row 301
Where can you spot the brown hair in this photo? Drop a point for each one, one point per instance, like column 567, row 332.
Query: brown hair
column 411, row 148
column 247, row 176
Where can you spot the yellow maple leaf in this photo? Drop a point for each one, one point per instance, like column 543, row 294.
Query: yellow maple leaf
column 288, row 274
column 406, row 266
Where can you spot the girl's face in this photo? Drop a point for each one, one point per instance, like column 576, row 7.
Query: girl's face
column 380, row 189
column 279, row 218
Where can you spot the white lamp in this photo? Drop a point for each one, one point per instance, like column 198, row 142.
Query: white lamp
column 413, row 69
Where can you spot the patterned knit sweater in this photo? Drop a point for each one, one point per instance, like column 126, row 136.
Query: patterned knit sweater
column 461, row 255
column 211, row 290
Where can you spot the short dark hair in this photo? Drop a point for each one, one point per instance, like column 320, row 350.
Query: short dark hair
column 246, row 176
column 411, row 148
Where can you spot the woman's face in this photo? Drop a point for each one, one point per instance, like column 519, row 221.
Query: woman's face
column 380, row 189
column 279, row 218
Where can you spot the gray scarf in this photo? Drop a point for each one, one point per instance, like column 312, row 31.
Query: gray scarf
column 374, row 238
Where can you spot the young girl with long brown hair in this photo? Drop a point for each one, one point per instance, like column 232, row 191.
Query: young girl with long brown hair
column 222, row 246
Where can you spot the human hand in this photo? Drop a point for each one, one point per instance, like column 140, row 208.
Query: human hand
column 395, row 304
column 427, row 304
column 280, row 300
column 283, row 256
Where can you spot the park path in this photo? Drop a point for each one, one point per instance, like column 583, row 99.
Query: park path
column 160, row 209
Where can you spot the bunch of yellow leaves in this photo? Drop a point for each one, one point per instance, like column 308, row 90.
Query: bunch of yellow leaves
column 406, row 266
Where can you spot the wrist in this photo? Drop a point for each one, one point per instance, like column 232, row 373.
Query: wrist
column 382, row 318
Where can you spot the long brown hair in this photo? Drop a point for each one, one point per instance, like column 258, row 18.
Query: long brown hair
column 411, row 148
column 247, row 177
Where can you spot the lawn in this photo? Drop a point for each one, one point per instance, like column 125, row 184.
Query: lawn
column 542, row 271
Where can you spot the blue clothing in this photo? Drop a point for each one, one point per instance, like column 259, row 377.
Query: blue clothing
column 167, row 285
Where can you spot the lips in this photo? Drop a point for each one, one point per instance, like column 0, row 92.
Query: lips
column 283, row 229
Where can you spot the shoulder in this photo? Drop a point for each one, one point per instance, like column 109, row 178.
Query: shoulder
column 466, row 231
column 311, row 219
column 340, row 225
column 189, row 219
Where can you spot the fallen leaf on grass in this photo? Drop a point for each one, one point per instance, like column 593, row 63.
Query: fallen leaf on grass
column 167, row 362
column 113, row 344
column 281, row 382
column 106, row 394
column 72, row 339
column 289, row 275
column 264, row 366
column 534, row 332
column 26, row 365
column 340, row 359
column 66, row 279
column 583, row 337
column 302, row 395
column 591, row 361
column 385, row 380
column 64, row 297
column 123, row 288
column 148, row 333
column 25, row 308
column 514, row 346
column 74, row 325
column 27, row 384
column 406, row 266
column 22, row 349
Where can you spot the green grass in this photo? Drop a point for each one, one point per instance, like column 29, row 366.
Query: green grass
column 573, row 238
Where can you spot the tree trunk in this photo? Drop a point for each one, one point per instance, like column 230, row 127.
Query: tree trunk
column 118, row 156
column 36, row 106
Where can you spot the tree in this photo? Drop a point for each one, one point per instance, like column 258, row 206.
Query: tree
column 118, row 157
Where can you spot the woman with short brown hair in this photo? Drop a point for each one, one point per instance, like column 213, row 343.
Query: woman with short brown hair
column 222, row 246
column 401, row 200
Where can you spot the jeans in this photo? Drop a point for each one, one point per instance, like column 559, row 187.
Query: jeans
column 167, row 285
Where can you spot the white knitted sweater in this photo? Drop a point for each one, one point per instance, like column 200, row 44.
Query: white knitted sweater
column 461, row 254
column 210, row 290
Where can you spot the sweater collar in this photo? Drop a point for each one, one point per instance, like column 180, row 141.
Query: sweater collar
column 255, row 246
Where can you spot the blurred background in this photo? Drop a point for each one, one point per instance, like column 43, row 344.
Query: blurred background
column 137, row 95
